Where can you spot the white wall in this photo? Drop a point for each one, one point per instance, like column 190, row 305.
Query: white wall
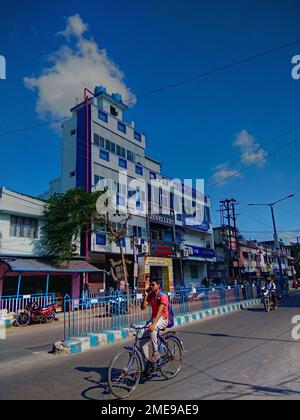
column 12, row 203
column 202, row 272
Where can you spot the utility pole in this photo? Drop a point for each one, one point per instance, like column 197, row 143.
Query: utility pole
column 276, row 240
column 229, row 225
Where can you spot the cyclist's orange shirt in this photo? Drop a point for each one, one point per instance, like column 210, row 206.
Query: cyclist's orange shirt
column 156, row 301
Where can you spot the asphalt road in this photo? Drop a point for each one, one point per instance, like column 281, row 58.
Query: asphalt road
column 246, row 355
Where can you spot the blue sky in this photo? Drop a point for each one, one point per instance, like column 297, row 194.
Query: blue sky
column 213, row 124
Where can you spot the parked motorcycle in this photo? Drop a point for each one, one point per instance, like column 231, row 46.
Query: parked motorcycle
column 269, row 299
column 35, row 313
column 117, row 306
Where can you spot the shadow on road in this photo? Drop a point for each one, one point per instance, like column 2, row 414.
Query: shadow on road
column 259, row 391
column 221, row 335
column 100, row 391
column 100, row 386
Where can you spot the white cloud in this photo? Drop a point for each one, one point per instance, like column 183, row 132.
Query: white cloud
column 75, row 27
column 251, row 152
column 222, row 173
column 74, row 68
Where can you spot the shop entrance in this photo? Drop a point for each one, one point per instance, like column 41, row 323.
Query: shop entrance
column 156, row 268
column 156, row 273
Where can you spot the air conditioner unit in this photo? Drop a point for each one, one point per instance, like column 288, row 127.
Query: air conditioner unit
column 145, row 249
column 185, row 252
column 137, row 241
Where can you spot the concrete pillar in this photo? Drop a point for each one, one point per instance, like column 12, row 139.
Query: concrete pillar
column 75, row 286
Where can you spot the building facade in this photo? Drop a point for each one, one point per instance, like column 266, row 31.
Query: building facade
column 25, row 267
column 248, row 260
column 163, row 237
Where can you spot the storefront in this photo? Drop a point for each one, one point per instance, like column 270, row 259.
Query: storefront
column 20, row 276
column 156, row 268
column 195, row 263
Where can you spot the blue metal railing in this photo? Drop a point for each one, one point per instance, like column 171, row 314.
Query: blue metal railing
column 93, row 314
column 14, row 303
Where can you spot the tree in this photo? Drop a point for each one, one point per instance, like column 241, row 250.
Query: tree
column 67, row 216
column 116, row 236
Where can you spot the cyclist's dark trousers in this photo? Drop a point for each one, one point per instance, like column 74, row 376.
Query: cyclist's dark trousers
column 274, row 298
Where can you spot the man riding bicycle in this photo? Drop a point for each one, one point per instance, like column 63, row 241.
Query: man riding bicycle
column 159, row 321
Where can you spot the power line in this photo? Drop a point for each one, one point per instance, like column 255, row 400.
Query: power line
column 19, row 130
column 270, row 155
column 264, row 145
column 173, row 85
column 215, row 70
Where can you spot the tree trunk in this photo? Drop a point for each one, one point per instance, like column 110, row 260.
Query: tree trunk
column 125, row 273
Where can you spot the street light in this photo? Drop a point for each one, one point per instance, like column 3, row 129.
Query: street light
column 276, row 240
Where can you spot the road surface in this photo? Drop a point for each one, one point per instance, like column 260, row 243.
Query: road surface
column 245, row 355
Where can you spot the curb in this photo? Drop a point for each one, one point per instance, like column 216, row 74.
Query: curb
column 89, row 341
column 7, row 320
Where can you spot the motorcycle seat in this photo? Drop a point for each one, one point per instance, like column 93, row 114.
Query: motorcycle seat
column 44, row 308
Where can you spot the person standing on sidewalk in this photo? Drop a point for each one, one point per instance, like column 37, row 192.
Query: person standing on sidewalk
column 160, row 312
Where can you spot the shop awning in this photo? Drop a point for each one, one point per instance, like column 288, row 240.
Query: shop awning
column 23, row 265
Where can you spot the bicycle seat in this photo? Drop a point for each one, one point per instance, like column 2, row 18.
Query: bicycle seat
column 138, row 326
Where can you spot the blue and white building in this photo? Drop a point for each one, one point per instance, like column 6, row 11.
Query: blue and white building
column 99, row 148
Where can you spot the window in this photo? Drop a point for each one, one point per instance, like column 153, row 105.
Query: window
column 120, row 200
column 137, row 231
column 137, row 136
column 73, row 173
column 100, row 239
column 104, row 155
column 72, row 132
column 139, row 159
column 121, row 127
column 23, row 227
column 96, row 139
column 102, row 116
column 194, row 272
column 138, row 170
column 121, row 151
column 122, row 188
column 113, row 111
column 97, row 179
column 130, row 156
column 102, row 141
column 122, row 163
column 110, row 146
column 152, row 175
column 163, row 198
column 179, row 217
column 207, row 214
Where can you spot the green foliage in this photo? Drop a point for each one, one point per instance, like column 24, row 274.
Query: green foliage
column 67, row 216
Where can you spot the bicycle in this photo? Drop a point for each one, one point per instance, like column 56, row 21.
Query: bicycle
column 126, row 368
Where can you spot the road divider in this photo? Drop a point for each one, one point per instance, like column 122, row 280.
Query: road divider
column 94, row 340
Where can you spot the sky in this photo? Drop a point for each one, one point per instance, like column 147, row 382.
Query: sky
column 241, row 119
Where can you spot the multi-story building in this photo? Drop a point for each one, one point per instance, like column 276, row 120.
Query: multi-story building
column 25, row 267
column 162, row 239
column 249, row 259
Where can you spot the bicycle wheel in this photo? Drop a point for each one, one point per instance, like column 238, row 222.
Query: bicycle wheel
column 124, row 373
column 173, row 353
